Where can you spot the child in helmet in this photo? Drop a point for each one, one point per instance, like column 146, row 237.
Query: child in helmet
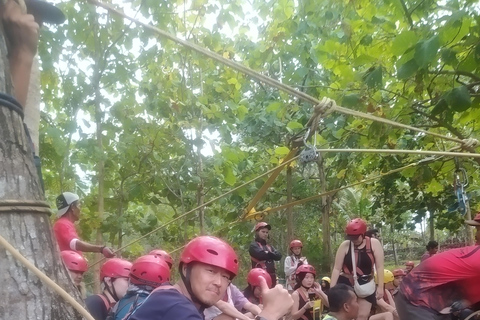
column 292, row 262
column 76, row 266
column 398, row 275
column 325, row 284
column 306, row 291
column 253, row 291
column 409, row 265
column 385, row 308
column 164, row 255
column 114, row 277
column 148, row 272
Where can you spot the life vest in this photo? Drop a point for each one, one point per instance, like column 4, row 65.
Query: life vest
column 369, row 251
column 258, row 263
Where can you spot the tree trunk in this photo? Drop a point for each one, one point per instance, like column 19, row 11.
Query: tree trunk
column 201, row 186
column 326, row 204
column 289, row 209
column 394, row 245
column 432, row 225
column 26, row 227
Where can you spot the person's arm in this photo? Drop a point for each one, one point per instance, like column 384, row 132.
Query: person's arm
column 275, row 255
column 320, row 294
column 253, row 308
column 379, row 261
column 385, row 306
column 339, row 258
column 258, row 252
column 230, row 310
column 87, row 247
column 21, row 33
column 276, row 301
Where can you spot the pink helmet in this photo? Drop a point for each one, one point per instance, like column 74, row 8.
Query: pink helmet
column 164, row 255
column 296, row 244
column 212, row 251
column 115, row 268
column 262, row 225
column 306, row 268
column 74, row 261
column 150, row 270
column 356, row 227
column 253, row 277
column 399, row 272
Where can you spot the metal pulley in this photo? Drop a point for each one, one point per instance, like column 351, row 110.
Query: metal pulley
column 309, row 154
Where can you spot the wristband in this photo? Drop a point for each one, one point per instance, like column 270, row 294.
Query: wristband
column 101, row 249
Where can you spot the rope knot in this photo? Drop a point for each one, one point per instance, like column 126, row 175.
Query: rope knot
column 324, row 107
column 470, row 143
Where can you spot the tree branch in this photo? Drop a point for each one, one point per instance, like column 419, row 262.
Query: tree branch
column 407, row 14
column 457, row 73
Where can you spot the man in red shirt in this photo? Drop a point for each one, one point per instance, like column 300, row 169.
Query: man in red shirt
column 68, row 205
column 439, row 281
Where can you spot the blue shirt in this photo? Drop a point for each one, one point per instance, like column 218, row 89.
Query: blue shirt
column 166, row 304
column 131, row 301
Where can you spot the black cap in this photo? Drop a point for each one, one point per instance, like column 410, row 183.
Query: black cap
column 45, row 11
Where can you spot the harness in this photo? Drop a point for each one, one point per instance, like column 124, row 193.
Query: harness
column 258, row 263
column 134, row 301
column 306, row 299
column 107, row 303
column 369, row 251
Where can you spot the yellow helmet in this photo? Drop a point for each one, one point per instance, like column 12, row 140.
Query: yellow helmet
column 387, row 276
column 327, row 279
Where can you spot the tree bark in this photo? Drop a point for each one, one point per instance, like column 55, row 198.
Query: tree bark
column 26, row 227
column 289, row 209
column 326, row 204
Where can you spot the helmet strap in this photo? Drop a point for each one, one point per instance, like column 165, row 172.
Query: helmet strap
column 112, row 292
column 188, row 286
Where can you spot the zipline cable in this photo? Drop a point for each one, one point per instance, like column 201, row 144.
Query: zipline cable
column 272, row 82
column 201, row 206
column 43, row 277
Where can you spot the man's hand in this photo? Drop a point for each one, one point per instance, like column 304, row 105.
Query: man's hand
column 276, row 301
column 108, row 252
column 379, row 294
column 21, row 29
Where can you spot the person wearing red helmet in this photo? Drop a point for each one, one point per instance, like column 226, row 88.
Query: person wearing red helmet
column 262, row 254
column 76, row 266
column 368, row 255
column 306, row 291
column 148, row 272
column 292, row 262
column 114, row 274
column 253, row 290
column 164, row 255
column 207, row 267
column 409, row 265
column 398, row 275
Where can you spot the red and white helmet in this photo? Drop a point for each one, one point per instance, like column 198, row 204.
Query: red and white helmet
column 150, row 270
column 115, row 268
column 262, row 225
column 296, row 244
column 399, row 272
column 356, row 227
column 74, row 261
column 164, row 255
column 212, row 251
column 306, row 268
column 253, row 277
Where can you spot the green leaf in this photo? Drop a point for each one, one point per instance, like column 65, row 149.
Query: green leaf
column 426, row 51
column 241, row 112
column 459, row 99
column 440, row 107
column 407, row 69
column 449, row 56
column 282, row 151
column 294, row 125
column 373, row 77
column 403, row 42
column 274, row 106
column 351, row 100
column 434, row 187
column 228, row 176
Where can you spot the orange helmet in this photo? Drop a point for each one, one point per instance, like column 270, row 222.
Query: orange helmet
column 399, row 272
column 296, row 244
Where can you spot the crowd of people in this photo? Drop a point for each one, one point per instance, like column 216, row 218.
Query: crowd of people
column 442, row 286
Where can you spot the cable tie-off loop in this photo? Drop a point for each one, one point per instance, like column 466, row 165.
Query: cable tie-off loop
column 325, row 107
column 470, row 143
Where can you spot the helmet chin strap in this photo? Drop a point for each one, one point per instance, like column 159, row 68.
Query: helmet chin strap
column 188, row 286
column 114, row 293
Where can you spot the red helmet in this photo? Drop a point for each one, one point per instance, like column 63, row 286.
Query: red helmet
column 150, row 270
column 164, row 255
column 296, row 244
column 410, row 263
column 262, row 225
column 399, row 272
column 356, row 227
column 74, row 261
column 212, row 251
column 306, row 268
column 253, row 277
column 115, row 268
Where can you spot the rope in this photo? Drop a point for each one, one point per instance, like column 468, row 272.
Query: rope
column 401, row 151
column 11, row 103
column 201, row 206
column 31, row 206
column 49, row 282
column 272, row 82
